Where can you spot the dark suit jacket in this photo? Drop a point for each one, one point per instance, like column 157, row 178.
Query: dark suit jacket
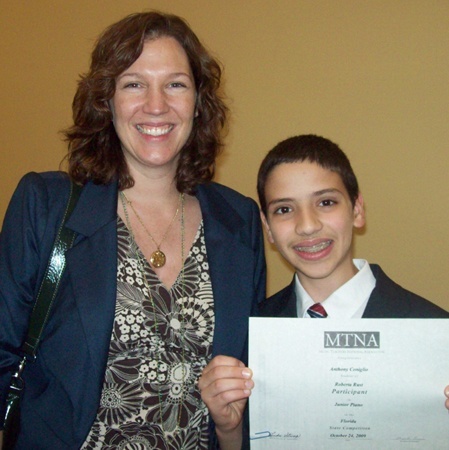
column 388, row 300
column 63, row 386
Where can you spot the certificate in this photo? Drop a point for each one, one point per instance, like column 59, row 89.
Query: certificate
column 349, row 384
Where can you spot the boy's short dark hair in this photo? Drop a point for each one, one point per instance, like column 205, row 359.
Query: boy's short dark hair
column 308, row 147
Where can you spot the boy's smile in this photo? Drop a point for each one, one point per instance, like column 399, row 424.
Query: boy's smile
column 310, row 219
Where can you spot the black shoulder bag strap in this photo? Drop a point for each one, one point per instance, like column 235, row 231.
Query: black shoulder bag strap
column 39, row 316
column 50, row 283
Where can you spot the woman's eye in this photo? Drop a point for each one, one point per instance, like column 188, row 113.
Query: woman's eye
column 177, row 84
column 131, row 85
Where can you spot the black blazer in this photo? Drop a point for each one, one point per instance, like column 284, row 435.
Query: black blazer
column 388, row 300
column 63, row 386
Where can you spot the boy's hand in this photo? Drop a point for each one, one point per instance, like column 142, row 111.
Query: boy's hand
column 446, row 393
column 225, row 386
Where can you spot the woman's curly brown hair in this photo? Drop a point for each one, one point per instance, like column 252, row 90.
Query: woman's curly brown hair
column 95, row 152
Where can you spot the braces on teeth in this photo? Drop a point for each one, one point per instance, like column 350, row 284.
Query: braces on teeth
column 314, row 248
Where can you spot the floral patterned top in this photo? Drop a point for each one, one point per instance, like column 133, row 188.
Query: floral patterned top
column 159, row 347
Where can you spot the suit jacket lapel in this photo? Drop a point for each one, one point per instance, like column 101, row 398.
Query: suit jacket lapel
column 288, row 302
column 281, row 304
column 231, row 267
column 92, row 267
column 387, row 298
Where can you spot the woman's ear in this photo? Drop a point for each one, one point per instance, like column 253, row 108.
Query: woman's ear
column 197, row 110
column 110, row 106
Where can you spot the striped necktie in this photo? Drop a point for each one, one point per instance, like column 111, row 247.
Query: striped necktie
column 316, row 311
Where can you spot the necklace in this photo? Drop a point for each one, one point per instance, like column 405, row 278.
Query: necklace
column 124, row 201
column 157, row 258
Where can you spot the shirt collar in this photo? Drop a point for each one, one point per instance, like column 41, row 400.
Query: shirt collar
column 348, row 301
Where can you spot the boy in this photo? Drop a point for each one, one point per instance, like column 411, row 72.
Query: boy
column 310, row 204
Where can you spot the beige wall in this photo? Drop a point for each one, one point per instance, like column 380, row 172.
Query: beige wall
column 370, row 74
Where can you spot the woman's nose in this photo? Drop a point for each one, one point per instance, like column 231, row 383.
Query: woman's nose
column 155, row 101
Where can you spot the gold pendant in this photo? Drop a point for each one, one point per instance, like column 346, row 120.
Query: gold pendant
column 157, row 259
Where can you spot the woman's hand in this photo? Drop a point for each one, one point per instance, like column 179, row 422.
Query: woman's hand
column 225, row 386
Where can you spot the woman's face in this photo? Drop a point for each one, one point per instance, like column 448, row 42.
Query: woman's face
column 154, row 107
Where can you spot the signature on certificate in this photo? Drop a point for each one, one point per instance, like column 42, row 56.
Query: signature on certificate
column 410, row 439
column 287, row 436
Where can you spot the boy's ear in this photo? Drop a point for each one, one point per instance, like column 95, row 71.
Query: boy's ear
column 359, row 212
column 267, row 227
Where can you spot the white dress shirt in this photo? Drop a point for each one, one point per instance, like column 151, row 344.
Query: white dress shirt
column 348, row 301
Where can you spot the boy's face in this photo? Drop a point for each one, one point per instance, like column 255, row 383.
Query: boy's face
column 310, row 219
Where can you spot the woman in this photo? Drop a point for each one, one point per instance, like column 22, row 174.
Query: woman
column 166, row 266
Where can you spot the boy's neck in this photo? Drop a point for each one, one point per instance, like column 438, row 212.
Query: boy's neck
column 320, row 289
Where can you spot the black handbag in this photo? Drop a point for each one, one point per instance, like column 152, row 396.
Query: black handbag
column 44, row 301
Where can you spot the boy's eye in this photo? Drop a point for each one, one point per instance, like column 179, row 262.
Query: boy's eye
column 327, row 202
column 283, row 210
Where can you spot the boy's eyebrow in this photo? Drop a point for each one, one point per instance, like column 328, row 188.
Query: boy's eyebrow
column 327, row 191
column 314, row 194
column 279, row 200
